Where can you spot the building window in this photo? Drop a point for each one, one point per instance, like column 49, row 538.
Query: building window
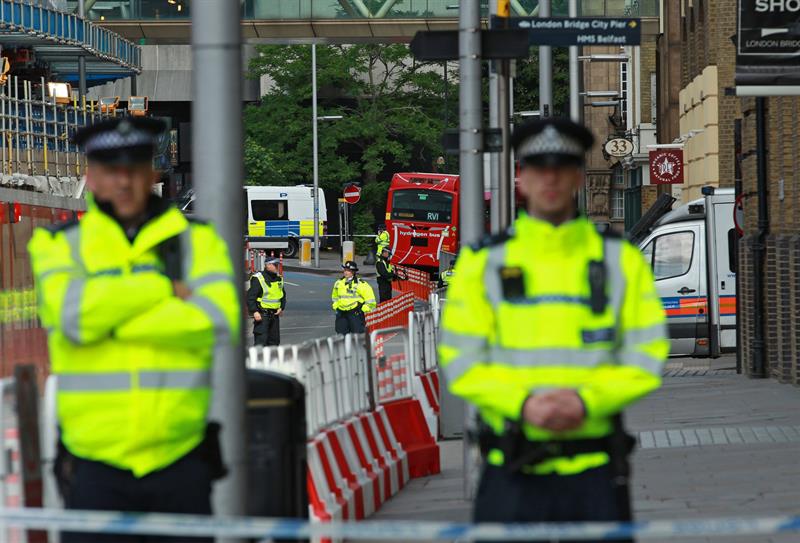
column 617, row 204
column 618, row 177
column 623, row 92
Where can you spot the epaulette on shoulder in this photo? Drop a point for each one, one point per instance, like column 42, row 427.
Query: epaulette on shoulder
column 494, row 239
column 61, row 226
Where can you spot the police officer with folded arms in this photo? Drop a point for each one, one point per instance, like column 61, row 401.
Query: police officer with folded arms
column 351, row 298
column 266, row 300
column 552, row 330
column 135, row 298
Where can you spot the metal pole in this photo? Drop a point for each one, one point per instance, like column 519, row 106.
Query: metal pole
column 217, row 165
column 470, row 115
column 496, row 202
column 453, row 412
column 504, row 113
column 545, row 69
column 575, row 109
column 81, row 59
column 316, row 150
column 759, row 247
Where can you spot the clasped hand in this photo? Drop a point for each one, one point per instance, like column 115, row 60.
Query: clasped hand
column 555, row 410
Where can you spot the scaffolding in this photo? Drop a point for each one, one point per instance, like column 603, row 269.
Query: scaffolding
column 36, row 130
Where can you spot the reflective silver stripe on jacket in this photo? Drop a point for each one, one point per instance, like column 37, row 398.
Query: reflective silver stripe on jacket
column 93, row 382
column 123, row 381
column 208, row 279
column 491, row 274
column 222, row 331
column 536, row 358
column 615, row 283
column 187, row 380
column 71, row 305
column 638, row 336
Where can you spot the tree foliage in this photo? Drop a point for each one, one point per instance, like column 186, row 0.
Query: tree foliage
column 526, row 84
column 393, row 113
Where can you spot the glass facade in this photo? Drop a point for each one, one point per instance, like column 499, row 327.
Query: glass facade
column 146, row 10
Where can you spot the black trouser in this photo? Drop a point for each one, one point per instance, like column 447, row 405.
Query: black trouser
column 384, row 290
column 506, row 497
column 183, row 487
column 350, row 322
column 268, row 331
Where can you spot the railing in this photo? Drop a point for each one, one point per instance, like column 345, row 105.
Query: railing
column 35, row 131
column 422, row 330
column 61, row 27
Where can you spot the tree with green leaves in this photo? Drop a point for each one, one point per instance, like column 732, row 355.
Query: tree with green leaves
column 526, row 84
column 393, row 114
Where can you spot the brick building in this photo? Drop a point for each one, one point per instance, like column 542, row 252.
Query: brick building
column 696, row 48
column 619, row 189
column 696, row 58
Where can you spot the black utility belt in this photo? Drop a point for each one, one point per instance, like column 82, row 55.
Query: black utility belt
column 268, row 311
column 547, row 449
column 521, row 452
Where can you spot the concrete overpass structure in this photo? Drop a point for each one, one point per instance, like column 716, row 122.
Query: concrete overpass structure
column 168, row 21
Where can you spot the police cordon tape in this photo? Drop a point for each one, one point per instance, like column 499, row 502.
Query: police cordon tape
column 266, row 529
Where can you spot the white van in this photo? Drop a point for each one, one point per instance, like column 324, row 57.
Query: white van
column 692, row 252
column 277, row 217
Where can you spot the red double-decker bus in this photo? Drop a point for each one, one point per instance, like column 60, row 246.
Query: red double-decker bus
column 422, row 218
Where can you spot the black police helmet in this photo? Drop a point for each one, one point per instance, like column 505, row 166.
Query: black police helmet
column 552, row 142
column 350, row 265
column 120, row 141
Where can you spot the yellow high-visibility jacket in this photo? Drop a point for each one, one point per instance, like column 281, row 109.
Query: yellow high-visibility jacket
column 346, row 295
column 271, row 294
column 518, row 320
column 133, row 361
column 382, row 241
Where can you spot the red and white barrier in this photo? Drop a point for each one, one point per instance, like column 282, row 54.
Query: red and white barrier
column 416, row 283
column 367, row 435
column 391, row 313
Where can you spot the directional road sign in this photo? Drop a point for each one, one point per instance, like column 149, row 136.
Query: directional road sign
column 496, row 44
column 352, row 194
column 564, row 32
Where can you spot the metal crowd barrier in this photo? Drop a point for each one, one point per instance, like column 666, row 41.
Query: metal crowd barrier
column 391, row 364
column 422, row 333
column 334, row 371
column 436, row 303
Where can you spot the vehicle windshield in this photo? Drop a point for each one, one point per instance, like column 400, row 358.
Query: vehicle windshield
column 422, row 205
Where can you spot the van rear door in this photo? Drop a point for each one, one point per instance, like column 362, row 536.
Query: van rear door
column 674, row 252
column 721, row 272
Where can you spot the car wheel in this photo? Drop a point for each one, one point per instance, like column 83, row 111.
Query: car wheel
column 292, row 249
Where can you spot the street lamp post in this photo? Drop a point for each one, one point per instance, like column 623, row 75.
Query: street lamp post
column 315, row 137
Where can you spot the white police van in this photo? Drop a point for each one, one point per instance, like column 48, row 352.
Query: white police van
column 692, row 251
column 277, row 217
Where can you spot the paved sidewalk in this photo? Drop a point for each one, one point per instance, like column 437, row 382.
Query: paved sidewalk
column 329, row 264
column 712, row 444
